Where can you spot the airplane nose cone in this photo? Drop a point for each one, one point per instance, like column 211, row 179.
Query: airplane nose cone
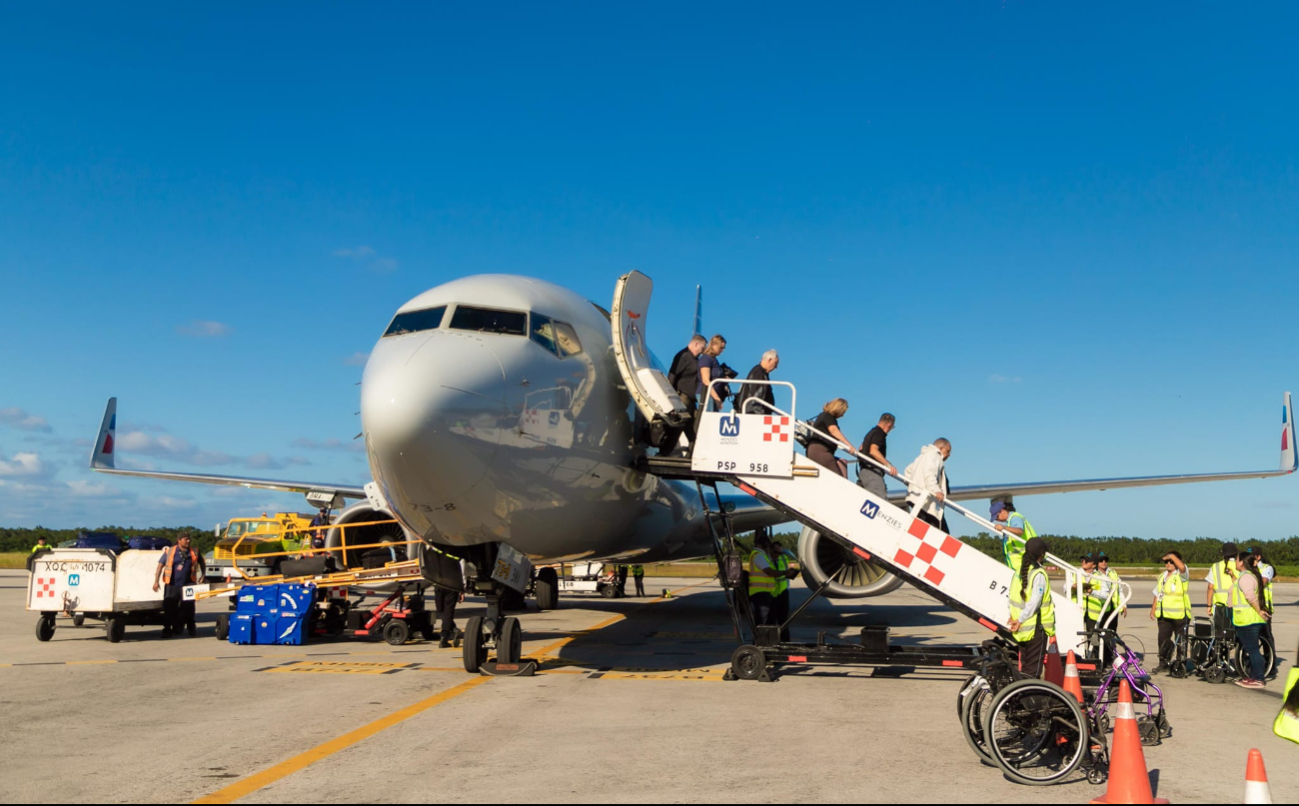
column 432, row 409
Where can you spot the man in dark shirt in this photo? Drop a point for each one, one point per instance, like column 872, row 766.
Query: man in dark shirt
column 179, row 565
column 761, row 391
column 876, row 446
column 683, row 374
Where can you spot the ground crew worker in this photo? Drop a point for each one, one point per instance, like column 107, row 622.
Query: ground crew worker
column 1171, row 607
column 1032, row 611
column 1089, row 604
column 41, row 545
column 1221, row 579
column 1115, row 589
column 318, row 534
column 1015, row 532
column 444, row 602
column 1287, row 722
column 638, row 575
column 178, row 566
column 1249, row 616
column 1268, row 573
column 769, row 575
column 622, row 580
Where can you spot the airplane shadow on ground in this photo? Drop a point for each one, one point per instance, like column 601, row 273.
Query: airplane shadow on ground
column 696, row 631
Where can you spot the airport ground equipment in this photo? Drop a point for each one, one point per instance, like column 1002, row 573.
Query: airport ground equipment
column 1209, row 649
column 96, row 584
column 594, row 578
column 256, row 546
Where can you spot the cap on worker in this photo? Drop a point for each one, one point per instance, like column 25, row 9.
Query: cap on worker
column 997, row 506
column 1102, row 557
column 1229, row 550
column 1035, row 547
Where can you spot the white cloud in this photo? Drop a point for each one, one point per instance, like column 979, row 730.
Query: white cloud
column 95, row 489
column 203, row 329
column 22, row 464
column 356, row 359
column 171, row 447
column 371, row 259
column 23, row 421
column 360, row 252
column 331, row 444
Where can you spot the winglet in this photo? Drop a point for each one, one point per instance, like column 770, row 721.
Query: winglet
column 101, row 458
column 1289, row 460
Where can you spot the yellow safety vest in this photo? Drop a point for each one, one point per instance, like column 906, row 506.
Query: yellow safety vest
column 1116, row 594
column 1174, row 601
column 782, row 565
column 1045, row 612
column 40, row 548
column 1243, row 613
column 1287, row 724
column 1267, row 585
column 759, row 582
column 1012, row 547
column 1222, row 582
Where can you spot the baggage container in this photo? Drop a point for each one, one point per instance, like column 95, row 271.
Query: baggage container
column 290, row 628
column 241, row 628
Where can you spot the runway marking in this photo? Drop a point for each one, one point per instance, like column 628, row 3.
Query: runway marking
column 338, row 667
column 301, row 761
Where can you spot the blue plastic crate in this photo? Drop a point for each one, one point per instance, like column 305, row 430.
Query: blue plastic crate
column 290, row 628
column 241, row 628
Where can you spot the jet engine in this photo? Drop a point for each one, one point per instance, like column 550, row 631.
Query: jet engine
column 824, row 557
column 363, row 512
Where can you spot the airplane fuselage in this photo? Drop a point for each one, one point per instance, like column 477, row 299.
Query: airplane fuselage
column 493, row 411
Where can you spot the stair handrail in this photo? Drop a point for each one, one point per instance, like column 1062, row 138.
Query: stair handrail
column 1074, row 577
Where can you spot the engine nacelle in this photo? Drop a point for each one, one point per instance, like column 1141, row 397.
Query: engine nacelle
column 823, row 557
column 363, row 512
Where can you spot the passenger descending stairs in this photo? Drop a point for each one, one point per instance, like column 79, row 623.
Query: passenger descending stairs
column 938, row 564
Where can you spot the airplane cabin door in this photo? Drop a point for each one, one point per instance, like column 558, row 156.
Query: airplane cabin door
column 647, row 384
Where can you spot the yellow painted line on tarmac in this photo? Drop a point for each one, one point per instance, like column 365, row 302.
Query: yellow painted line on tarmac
column 266, row 777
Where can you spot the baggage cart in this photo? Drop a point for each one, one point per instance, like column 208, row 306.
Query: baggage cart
column 95, row 584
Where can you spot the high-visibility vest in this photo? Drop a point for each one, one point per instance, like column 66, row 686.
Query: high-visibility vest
column 638, row 570
column 1174, row 602
column 1287, row 724
column 759, row 582
column 168, row 555
column 1243, row 613
column 1267, row 585
column 1012, row 547
column 1222, row 582
column 1116, row 594
column 781, row 564
column 1045, row 612
column 38, row 547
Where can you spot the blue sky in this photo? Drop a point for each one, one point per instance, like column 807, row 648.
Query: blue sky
column 1062, row 237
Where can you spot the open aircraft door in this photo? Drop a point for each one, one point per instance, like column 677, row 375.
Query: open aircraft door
column 646, row 383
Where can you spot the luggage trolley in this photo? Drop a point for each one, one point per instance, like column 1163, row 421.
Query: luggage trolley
column 95, row 584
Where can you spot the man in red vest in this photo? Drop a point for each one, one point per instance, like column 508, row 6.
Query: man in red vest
column 178, row 566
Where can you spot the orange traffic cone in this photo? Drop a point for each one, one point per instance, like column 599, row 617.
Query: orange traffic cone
column 1054, row 671
column 1071, row 682
column 1129, row 779
column 1256, row 788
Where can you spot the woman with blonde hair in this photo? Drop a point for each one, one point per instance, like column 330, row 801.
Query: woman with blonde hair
column 710, row 370
column 820, row 449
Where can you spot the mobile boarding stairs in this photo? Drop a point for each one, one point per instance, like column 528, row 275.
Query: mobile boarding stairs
column 756, row 453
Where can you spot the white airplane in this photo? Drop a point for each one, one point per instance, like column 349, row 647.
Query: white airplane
column 505, row 411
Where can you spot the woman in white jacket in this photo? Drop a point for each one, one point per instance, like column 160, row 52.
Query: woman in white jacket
column 927, row 489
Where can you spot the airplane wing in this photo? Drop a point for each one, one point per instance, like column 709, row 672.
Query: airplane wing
column 1289, row 463
column 102, row 461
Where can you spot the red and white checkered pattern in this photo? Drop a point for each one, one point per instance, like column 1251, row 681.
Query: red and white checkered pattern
column 777, row 429
column 932, row 552
column 46, row 587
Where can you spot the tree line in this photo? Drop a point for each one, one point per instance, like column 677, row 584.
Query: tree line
column 22, row 540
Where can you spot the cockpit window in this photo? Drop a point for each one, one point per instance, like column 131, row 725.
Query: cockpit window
column 566, row 338
column 415, row 321
column 486, row 320
column 543, row 332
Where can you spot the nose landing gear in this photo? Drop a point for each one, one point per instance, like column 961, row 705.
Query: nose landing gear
column 504, row 634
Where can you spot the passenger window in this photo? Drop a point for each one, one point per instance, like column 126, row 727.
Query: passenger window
column 415, row 321
column 487, row 320
column 566, row 338
column 543, row 332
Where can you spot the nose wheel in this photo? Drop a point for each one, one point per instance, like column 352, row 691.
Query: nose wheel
column 505, row 634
